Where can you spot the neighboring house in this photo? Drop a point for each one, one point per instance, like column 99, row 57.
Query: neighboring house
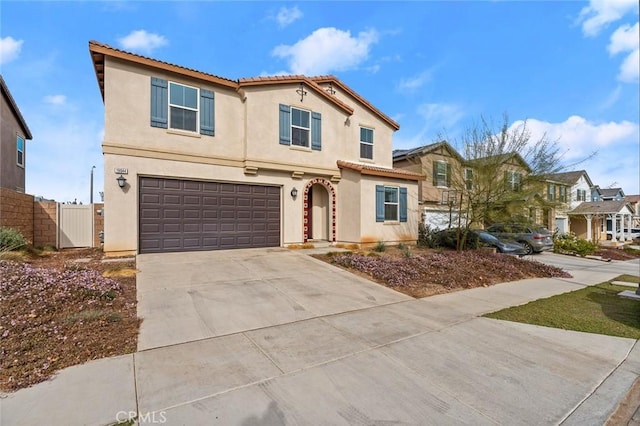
column 439, row 193
column 452, row 182
column 602, row 220
column 634, row 203
column 14, row 133
column 211, row 163
column 607, row 194
column 577, row 187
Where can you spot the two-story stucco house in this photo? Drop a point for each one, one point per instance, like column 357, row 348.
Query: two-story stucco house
column 14, row 133
column 194, row 161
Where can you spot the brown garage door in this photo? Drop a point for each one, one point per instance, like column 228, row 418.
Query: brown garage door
column 184, row 215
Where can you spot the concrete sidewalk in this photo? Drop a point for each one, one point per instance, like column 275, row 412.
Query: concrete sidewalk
column 360, row 357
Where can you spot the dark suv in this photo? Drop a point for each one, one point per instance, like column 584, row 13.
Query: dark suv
column 535, row 238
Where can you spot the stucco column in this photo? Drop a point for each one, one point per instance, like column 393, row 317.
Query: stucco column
column 629, row 226
column 589, row 232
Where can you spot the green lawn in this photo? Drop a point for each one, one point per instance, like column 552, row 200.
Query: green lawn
column 596, row 309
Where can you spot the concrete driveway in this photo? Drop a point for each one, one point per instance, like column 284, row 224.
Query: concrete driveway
column 273, row 337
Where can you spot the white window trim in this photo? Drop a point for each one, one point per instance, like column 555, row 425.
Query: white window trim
column 397, row 204
column 197, row 109
column 367, row 143
column 468, row 181
column 18, row 151
column 515, row 180
column 308, row 129
column 444, row 185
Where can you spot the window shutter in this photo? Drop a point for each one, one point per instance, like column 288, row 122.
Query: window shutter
column 403, row 204
column 285, row 125
column 448, row 175
column 435, row 173
column 159, row 102
column 379, row 203
column 316, row 131
column 207, row 112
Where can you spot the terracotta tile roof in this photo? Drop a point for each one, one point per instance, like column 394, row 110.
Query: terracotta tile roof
column 100, row 50
column 402, row 154
column 368, row 169
column 16, row 110
column 334, row 80
column 291, row 79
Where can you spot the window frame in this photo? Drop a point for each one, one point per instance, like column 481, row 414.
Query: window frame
column 551, row 192
column 468, row 178
column 514, row 180
column 183, row 107
column 562, row 193
column 438, row 183
column 366, row 143
column 20, row 151
column 300, row 127
column 391, row 203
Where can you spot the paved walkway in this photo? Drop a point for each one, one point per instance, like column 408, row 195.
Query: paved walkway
column 275, row 337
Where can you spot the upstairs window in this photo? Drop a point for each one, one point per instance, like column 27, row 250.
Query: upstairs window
column 20, row 151
column 299, row 127
column 562, row 194
column 181, row 107
column 468, row 179
column 513, row 180
column 366, row 143
column 581, row 195
column 551, row 192
column 441, row 174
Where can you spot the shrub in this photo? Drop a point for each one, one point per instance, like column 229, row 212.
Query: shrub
column 11, row 239
column 380, row 247
column 570, row 243
column 426, row 236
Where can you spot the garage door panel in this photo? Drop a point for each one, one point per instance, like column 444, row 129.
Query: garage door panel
column 177, row 215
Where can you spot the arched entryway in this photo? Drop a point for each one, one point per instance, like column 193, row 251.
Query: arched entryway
column 319, row 200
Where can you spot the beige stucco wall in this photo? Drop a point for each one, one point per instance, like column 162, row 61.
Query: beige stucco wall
column 361, row 189
column 127, row 116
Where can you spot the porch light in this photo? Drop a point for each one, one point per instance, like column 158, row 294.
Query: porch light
column 122, row 181
column 294, row 193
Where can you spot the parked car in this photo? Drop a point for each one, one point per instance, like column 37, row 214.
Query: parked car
column 535, row 238
column 503, row 246
column 477, row 238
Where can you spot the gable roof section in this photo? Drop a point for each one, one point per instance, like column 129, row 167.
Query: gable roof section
column 14, row 107
column 611, row 192
column 501, row 159
column 99, row 51
column 601, row 207
column 334, row 80
column 293, row 79
column 570, row 178
column 367, row 169
column 403, row 154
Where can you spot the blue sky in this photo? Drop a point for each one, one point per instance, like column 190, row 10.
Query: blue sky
column 569, row 68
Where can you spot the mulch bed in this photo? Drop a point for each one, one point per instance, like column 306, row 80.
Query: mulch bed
column 425, row 272
column 57, row 311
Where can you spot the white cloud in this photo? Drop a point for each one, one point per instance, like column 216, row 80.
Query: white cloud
column 9, row 49
column 327, row 50
column 288, row 15
column 624, row 39
column 600, row 13
column 416, row 82
column 630, row 68
column 142, row 41
column 55, row 99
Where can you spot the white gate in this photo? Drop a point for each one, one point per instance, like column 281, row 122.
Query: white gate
column 75, row 226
